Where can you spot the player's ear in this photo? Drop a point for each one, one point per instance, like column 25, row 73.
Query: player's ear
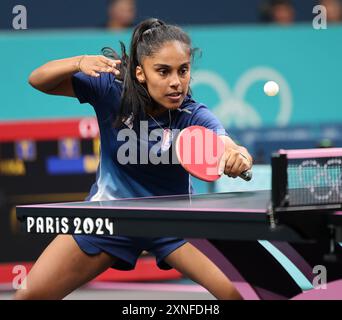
column 139, row 73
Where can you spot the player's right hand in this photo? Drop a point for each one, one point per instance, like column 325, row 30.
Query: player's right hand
column 92, row 65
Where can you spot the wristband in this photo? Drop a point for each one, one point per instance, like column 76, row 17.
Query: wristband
column 79, row 64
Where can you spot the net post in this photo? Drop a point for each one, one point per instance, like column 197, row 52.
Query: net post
column 279, row 180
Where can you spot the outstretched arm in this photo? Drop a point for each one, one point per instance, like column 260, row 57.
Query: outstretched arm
column 55, row 76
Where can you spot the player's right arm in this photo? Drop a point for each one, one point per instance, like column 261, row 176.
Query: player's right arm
column 55, row 77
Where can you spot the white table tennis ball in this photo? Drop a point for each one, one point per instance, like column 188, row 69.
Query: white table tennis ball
column 271, row 88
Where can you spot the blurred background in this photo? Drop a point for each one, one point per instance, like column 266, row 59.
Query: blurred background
column 49, row 145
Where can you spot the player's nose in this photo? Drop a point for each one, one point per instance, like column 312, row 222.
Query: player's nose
column 175, row 81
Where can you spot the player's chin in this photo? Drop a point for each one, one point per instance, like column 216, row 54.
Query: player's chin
column 171, row 103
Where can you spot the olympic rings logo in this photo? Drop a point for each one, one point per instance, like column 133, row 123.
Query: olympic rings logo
column 323, row 181
column 233, row 108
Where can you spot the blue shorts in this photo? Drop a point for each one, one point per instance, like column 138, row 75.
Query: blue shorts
column 128, row 249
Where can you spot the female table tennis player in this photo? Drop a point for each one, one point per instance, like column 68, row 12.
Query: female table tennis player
column 150, row 85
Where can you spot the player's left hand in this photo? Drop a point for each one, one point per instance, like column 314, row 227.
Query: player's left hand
column 233, row 162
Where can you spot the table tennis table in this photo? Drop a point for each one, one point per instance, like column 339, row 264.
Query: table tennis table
column 230, row 216
column 236, row 224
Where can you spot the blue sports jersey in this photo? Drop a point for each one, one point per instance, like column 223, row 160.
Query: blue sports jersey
column 143, row 177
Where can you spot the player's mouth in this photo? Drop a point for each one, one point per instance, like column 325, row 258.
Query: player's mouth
column 175, row 96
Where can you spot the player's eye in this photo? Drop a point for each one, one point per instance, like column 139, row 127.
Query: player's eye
column 183, row 71
column 162, row 72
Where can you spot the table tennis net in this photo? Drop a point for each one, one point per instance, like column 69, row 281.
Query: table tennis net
column 314, row 181
column 307, row 177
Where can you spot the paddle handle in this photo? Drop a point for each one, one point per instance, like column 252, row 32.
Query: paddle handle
column 246, row 175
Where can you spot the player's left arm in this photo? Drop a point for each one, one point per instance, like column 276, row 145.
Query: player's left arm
column 236, row 159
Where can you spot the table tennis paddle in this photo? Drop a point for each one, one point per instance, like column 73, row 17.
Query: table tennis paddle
column 199, row 151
